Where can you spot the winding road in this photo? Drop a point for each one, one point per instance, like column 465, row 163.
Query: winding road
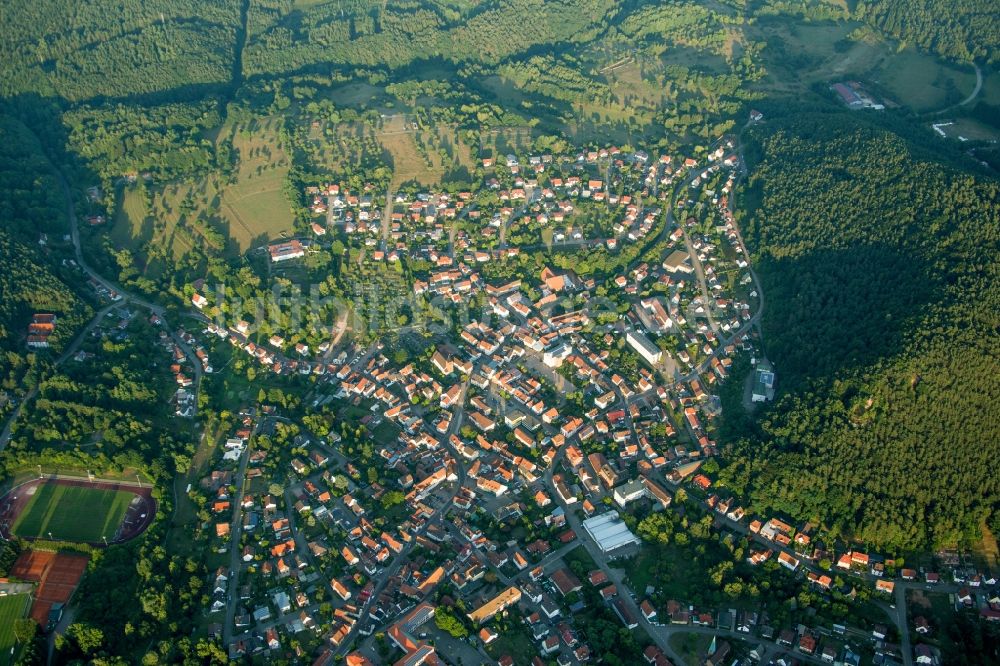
column 126, row 298
column 968, row 100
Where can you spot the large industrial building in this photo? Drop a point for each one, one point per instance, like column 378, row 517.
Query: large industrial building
column 609, row 531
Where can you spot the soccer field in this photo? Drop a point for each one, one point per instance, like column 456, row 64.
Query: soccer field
column 11, row 608
column 72, row 513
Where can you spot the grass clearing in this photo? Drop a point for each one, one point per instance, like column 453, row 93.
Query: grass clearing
column 255, row 206
column 516, row 642
column 922, row 82
column 693, row 648
column 12, row 608
column 796, row 56
column 72, row 513
column 986, row 550
column 408, row 164
column 991, row 88
column 969, row 129
column 937, row 607
column 580, row 554
column 355, row 94
column 424, row 155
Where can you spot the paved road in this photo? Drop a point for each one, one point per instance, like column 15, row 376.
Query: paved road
column 128, row 297
column 235, row 556
column 900, row 618
column 707, row 301
column 387, row 219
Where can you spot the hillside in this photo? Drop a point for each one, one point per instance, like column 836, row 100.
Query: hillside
column 880, row 266
column 33, row 211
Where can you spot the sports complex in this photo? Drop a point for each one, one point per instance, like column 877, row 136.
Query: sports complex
column 76, row 510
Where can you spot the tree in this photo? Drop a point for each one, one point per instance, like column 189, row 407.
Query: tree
column 87, row 637
column 446, row 621
column 392, row 498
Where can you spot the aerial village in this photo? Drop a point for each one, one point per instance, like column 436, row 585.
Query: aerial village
column 493, row 517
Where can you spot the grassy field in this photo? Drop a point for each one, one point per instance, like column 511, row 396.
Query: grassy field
column 12, row 608
column 922, row 82
column 987, row 550
column 408, row 163
column 937, row 607
column 255, row 206
column 796, row 56
column 581, row 555
column 971, row 130
column 693, row 648
column 516, row 642
column 72, row 513
column 991, row 88
column 801, row 55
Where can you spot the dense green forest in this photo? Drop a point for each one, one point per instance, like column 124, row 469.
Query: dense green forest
column 959, row 29
column 115, row 48
column 31, row 201
column 880, row 267
column 381, row 34
column 182, row 49
column 164, row 141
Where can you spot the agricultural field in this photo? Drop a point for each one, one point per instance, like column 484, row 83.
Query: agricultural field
column 72, row 513
column 13, row 607
column 230, row 215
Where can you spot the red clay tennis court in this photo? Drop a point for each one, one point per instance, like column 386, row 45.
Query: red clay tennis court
column 57, row 573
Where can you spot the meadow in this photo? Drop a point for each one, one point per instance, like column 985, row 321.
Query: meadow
column 228, row 213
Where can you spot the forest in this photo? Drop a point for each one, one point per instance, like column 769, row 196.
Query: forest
column 31, row 281
column 183, row 49
column 960, row 29
column 880, row 265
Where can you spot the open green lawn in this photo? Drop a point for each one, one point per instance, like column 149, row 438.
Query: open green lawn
column 72, row 513
column 921, row 81
column 971, row 129
column 692, row 647
column 12, row 608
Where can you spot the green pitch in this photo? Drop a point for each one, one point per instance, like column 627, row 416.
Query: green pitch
column 72, row 513
column 12, row 608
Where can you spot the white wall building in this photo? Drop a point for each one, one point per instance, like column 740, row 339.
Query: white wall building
column 646, row 349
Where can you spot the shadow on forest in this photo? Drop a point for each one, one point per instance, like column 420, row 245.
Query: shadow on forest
column 833, row 309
